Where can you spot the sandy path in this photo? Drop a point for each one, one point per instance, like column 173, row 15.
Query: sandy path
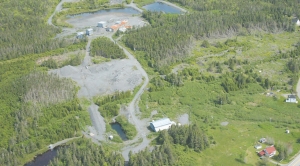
column 63, row 141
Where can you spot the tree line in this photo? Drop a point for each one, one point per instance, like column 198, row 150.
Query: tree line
column 102, row 46
column 84, row 152
column 109, row 106
column 165, row 153
column 170, row 37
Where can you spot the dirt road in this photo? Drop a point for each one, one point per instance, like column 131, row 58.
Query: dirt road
column 63, row 141
column 133, row 110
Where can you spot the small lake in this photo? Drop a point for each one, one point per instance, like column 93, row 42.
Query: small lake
column 118, row 128
column 44, row 159
column 162, row 7
column 127, row 10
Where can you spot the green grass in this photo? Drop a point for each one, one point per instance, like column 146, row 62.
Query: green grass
column 128, row 128
column 141, row 3
column 100, row 59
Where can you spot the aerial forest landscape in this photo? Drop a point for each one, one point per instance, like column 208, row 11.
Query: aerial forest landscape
column 149, row 82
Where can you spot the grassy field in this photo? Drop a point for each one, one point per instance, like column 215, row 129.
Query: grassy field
column 253, row 112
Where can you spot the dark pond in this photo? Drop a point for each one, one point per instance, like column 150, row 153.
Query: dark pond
column 128, row 10
column 44, row 159
column 118, row 128
column 162, row 7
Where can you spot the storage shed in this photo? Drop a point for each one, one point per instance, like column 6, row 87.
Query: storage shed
column 291, row 99
column 101, row 24
column 80, row 35
column 89, row 31
column 161, row 124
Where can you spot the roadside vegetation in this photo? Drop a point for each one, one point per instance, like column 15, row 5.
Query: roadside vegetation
column 102, row 46
column 85, row 152
column 109, row 106
column 56, row 62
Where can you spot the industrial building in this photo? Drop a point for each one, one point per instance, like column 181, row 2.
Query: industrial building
column 161, row 124
column 102, row 24
column 89, row 31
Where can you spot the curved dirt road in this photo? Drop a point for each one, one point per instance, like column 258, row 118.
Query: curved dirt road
column 133, row 109
column 140, row 125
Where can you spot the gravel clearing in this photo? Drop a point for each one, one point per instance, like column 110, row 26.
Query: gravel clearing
column 103, row 79
column 184, row 119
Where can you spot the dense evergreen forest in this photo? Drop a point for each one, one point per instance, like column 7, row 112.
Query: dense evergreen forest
column 24, row 29
column 102, row 46
column 37, row 109
column 84, row 152
column 174, row 35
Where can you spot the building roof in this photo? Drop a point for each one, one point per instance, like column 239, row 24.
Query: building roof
column 261, row 153
column 80, row 33
column 270, row 149
column 161, row 122
column 292, row 96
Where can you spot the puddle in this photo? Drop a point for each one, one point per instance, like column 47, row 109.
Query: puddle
column 128, row 10
column 44, row 159
column 162, row 7
column 118, row 128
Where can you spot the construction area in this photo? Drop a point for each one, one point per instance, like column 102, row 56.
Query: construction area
column 107, row 21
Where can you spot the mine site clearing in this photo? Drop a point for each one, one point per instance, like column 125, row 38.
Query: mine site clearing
column 109, row 77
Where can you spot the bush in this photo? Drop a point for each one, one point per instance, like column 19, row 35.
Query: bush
column 50, row 63
column 128, row 128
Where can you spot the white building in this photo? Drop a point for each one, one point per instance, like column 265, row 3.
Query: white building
column 80, row 35
column 161, row 124
column 291, row 99
column 122, row 29
column 101, row 24
column 296, row 21
column 89, row 31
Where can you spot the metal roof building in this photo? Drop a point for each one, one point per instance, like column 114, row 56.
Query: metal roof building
column 101, row 24
column 161, row 124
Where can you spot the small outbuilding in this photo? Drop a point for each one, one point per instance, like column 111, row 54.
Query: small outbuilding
column 109, row 29
column 89, row 31
column 101, row 24
column 161, row 124
column 291, row 99
column 80, row 35
column 262, row 140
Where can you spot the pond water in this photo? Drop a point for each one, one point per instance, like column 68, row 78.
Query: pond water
column 118, row 128
column 162, row 7
column 127, row 10
column 44, row 159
